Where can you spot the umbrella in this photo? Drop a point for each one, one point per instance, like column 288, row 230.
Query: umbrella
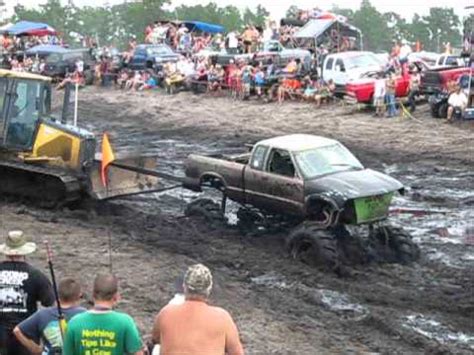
column 27, row 28
column 45, row 49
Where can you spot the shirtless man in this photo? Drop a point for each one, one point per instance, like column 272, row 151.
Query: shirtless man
column 195, row 327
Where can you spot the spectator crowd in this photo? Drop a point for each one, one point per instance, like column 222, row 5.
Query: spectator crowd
column 197, row 67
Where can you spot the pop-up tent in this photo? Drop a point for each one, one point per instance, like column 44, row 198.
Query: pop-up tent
column 331, row 32
column 27, row 28
column 203, row 26
column 45, row 49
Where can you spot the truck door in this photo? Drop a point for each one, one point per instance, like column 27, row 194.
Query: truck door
column 339, row 74
column 277, row 187
column 328, row 72
column 138, row 60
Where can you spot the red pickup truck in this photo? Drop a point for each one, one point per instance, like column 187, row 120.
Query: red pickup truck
column 362, row 90
column 436, row 80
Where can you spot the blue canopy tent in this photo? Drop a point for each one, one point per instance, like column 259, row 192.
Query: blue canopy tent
column 203, row 26
column 45, row 49
column 27, row 28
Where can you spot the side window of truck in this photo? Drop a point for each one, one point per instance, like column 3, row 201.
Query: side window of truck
column 280, row 163
column 451, row 61
column 258, row 157
column 329, row 64
column 340, row 65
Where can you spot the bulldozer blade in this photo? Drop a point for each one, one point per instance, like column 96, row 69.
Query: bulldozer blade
column 127, row 176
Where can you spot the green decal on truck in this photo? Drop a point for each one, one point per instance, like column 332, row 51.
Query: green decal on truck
column 372, row 208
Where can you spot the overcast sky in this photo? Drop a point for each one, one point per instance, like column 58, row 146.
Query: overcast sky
column 278, row 8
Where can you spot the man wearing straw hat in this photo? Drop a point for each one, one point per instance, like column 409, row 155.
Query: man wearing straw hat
column 22, row 286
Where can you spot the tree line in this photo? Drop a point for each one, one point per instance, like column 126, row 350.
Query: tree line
column 116, row 24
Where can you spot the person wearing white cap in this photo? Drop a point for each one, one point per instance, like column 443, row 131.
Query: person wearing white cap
column 22, row 286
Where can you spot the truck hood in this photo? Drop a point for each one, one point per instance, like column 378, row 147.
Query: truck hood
column 352, row 184
column 166, row 58
column 356, row 73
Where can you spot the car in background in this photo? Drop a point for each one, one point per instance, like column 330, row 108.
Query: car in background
column 151, row 56
column 447, row 60
column 269, row 50
column 430, row 58
column 436, row 80
column 280, row 55
column 58, row 65
column 344, row 67
column 362, row 90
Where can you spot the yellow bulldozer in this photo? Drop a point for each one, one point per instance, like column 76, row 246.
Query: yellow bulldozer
column 45, row 158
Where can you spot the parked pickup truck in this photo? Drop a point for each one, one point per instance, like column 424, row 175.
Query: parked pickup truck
column 436, row 80
column 347, row 66
column 273, row 50
column 148, row 56
column 362, row 90
column 302, row 175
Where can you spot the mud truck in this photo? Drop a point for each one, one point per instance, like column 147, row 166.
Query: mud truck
column 318, row 185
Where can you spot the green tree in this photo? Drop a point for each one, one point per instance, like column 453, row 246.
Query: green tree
column 443, row 25
column 418, row 31
column 257, row 18
column 375, row 31
column 292, row 11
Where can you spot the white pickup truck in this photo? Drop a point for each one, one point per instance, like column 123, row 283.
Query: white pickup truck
column 346, row 66
column 448, row 60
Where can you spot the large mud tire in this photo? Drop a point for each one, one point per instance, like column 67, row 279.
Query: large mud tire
column 249, row 221
column 443, row 110
column 393, row 244
column 314, row 246
column 434, row 109
column 205, row 209
column 353, row 249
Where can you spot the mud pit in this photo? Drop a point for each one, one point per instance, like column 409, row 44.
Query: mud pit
column 281, row 306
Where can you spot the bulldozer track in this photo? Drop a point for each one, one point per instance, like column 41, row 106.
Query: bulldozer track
column 46, row 185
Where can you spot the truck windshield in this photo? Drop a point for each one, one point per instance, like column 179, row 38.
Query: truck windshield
column 326, row 160
column 360, row 61
column 159, row 50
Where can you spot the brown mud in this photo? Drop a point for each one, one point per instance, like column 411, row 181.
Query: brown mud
column 281, row 306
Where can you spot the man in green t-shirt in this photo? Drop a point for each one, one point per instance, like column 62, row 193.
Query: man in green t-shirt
column 102, row 330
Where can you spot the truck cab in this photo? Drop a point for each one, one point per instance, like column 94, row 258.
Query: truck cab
column 447, row 60
column 347, row 66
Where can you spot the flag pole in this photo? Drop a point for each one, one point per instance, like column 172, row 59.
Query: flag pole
column 76, row 96
column 61, row 319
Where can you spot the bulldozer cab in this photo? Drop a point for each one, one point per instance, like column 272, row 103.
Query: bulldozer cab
column 24, row 100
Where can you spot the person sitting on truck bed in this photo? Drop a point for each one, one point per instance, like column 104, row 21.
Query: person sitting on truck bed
column 457, row 101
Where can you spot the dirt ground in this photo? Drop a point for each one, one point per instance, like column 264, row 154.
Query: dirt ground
column 281, row 306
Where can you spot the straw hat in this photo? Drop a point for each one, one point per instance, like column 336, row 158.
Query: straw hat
column 16, row 244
